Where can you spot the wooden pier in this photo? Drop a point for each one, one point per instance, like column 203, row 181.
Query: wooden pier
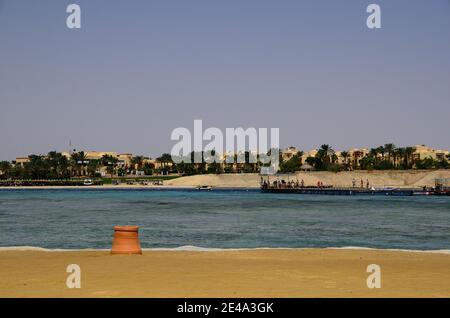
column 340, row 191
column 441, row 188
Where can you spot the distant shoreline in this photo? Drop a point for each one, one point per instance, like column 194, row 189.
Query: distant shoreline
column 376, row 178
column 124, row 187
column 189, row 248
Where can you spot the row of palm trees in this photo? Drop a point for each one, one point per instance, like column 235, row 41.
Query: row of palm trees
column 396, row 155
column 383, row 157
column 57, row 166
column 190, row 166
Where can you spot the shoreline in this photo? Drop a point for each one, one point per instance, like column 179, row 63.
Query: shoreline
column 127, row 187
column 377, row 178
column 96, row 187
column 189, row 248
column 226, row 274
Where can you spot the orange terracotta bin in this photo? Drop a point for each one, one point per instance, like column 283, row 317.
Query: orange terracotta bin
column 126, row 240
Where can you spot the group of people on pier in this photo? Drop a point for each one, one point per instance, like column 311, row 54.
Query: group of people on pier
column 361, row 183
column 291, row 184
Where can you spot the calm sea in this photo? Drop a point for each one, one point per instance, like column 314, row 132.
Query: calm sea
column 77, row 219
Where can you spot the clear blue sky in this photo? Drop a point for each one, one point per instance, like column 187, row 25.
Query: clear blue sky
column 138, row 69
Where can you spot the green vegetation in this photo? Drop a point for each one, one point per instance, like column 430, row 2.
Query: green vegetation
column 214, row 167
column 137, row 179
column 387, row 157
column 292, row 164
column 72, row 182
column 56, row 166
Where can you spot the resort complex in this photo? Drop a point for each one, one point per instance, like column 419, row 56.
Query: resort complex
column 80, row 164
column 99, row 164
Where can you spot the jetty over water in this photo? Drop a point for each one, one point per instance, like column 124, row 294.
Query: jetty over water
column 282, row 186
column 341, row 191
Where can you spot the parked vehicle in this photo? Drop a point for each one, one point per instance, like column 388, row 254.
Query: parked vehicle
column 88, row 182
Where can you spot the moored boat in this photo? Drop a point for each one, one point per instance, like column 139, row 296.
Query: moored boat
column 204, row 188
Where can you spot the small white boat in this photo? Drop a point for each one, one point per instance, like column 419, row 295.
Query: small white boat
column 88, row 182
column 204, row 188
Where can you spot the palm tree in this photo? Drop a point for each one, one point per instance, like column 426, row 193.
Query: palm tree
column 38, row 167
column 406, row 154
column 78, row 162
column 374, row 152
column 396, row 154
column 401, row 155
column 389, row 149
column 93, row 166
column 300, row 155
column 334, row 158
column 110, row 162
column 5, row 168
column 356, row 155
column 58, row 164
column 325, row 154
column 73, row 164
column 137, row 162
column 345, row 155
column 409, row 151
column 166, row 159
column 381, row 151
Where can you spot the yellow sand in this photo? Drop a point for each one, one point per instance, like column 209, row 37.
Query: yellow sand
column 249, row 273
column 394, row 178
column 379, row 179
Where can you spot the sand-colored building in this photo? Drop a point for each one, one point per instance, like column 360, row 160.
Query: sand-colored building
column 289, row 152
column 355, row 156
column 124, row 160
column 21, row 161
column 306, row 154
column 421, row 152
column 98, row 155
column 351, row 160
column 159, row 164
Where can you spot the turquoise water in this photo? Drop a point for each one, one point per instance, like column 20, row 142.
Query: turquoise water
column 73, row 219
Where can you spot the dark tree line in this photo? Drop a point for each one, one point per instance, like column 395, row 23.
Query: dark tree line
column 55, row 165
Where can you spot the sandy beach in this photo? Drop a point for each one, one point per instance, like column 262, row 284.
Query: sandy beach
column 232, row 273
column 380, row 179
column 394, row 178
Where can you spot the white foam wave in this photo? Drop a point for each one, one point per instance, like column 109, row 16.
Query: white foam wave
column 42, row 249
column 190, row 248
